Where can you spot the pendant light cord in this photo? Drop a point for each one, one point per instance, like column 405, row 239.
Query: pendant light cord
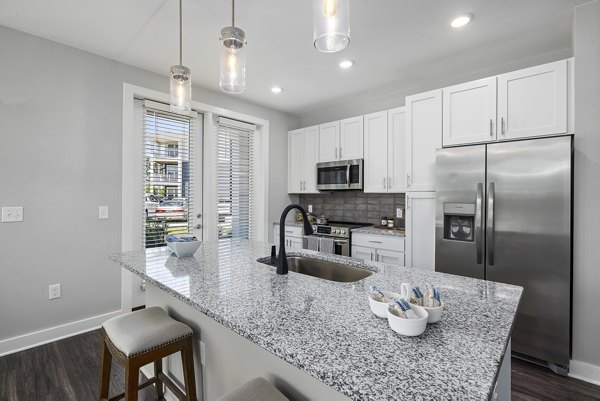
column 180, row 35
column 232, row 12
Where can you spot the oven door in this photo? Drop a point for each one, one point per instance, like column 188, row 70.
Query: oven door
column 346, row 174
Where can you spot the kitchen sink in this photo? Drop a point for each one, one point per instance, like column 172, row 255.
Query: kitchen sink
column 324, row 269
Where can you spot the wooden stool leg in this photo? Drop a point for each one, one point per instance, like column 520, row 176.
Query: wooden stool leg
column 132, row 377
column 159, row 384
column 105, row 371
column 187, row 358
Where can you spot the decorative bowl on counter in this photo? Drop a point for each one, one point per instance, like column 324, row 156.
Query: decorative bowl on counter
column 408, row 327
column 435, row 312
column 182, row 248
column 380, row 308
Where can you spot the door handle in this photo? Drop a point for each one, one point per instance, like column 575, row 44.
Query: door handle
column 479, row 224
column 491, row 127
column 502, row 130
column 490, row 222
column 347, row 174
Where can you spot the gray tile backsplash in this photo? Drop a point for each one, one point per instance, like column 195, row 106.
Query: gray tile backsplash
column 355, row 206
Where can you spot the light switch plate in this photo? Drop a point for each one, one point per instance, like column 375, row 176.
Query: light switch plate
column 309, row 208
column 103, row 212
column 12, row 214
column 399, row 213
column 53, row 291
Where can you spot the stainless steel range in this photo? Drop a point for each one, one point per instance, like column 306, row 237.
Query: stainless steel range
column 341, row 232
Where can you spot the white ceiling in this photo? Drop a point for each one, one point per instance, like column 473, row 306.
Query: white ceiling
column 397, row 44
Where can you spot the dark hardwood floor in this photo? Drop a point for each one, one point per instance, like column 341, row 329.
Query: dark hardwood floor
column 68, row 370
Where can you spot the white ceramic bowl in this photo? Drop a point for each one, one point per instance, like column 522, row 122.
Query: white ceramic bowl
column 183, row 249
column 380, row 308
column 435, row 313
column 408, row 327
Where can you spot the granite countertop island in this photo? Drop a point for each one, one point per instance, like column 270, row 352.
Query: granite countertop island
column 326, row 328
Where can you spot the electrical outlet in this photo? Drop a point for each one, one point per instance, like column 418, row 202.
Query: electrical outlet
column 202, row 354
column 399, row 213
column 53, row 291
column 103, row 212
column 309, row 208
column 12, row 214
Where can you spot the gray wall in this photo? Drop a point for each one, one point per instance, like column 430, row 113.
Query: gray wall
column 60, row 158
column 383, row 99
column 586, row 272
column 355, row 206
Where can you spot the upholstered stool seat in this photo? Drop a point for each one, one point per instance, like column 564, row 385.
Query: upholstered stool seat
column 138, row 338
column 255, row 390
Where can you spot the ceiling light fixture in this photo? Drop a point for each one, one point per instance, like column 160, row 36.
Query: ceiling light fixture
column 181, row 79
column 345, row 64
column 233, row 57
column 462, row 20
column 276, row 89
column 331, row 25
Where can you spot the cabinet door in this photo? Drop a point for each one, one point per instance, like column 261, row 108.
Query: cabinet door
column 295, row 160
column 396, row 146
column 376, row 155
column 533, row 101
column 329, row 135
column 423, row 137
column 420, row 230
column 296, row 243
column 390, row 257
column 351, row 139
column 470, row 112
column 361, row 252
column 309, row 165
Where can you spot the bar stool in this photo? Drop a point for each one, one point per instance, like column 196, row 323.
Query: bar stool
column 139, row 338
column 255, row 390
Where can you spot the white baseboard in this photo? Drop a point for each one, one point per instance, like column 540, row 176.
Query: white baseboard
column 30, row 340
column 585, row 371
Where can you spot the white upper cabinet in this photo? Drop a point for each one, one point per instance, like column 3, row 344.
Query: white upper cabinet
column 396, row 148
column 302, row 160
column 351, row 139
column 376, row 152
column 329, row 139
column 533, row 101
column 469, row 113
column 423, row 137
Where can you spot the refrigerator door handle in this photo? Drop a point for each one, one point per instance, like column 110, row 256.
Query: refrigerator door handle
column 490, row 223
column 479, row 224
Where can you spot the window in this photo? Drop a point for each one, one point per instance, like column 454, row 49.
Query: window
column 167, row 173
column 235, row 178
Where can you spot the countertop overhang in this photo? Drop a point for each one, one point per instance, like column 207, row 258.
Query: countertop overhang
column 327, row 329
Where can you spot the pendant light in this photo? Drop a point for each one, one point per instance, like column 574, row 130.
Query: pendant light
column 181, row 79
column 331, row 25
column 233, row 57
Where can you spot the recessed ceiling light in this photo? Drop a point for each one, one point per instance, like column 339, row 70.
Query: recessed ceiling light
column 462, row 20
column 276, row 89
column 345, row 64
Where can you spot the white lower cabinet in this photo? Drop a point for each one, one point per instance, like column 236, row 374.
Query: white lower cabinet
column 294, row 238
column 378, row 248
column 420, row 230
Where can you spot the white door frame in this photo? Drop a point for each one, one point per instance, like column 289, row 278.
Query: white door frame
column 131, row 175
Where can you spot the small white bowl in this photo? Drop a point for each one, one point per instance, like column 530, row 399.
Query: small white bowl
column 435, row 312
column 380, row 308
column 408, row 327
column 183, row 249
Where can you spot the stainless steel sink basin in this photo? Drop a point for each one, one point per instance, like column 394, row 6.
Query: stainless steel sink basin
column 324, row 269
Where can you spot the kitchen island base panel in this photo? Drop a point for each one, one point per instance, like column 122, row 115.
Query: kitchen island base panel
column 231, row 360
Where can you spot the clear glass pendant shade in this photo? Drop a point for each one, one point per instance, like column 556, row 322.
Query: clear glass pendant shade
column 181, row 89
column 331, row 25
column 233, row 60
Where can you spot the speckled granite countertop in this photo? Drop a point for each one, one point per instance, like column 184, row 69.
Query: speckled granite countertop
column 378, row 231
column 327, row 329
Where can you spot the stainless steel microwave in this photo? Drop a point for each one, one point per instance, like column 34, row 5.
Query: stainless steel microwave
column 338, row 175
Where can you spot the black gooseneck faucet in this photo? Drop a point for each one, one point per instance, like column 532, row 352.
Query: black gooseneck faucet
column 282, row 265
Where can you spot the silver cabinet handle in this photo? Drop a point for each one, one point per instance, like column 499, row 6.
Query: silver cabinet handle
column 384, row 183
column 490, row 222
column 389, row 182
column 408, row 180
column 143, row 286
column 408, row 203
column 502, row 131
column 371, row 256
column 479, row 224
column 375, row 242
column 491, row 127
column 348, row 175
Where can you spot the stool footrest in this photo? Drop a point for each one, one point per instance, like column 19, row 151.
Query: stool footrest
column 172, row 386
column 147, row 383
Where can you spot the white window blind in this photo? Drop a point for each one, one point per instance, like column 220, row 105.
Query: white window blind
column 235, row 179
column 168, row 146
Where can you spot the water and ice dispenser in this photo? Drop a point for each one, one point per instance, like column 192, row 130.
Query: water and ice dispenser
column 459, row 221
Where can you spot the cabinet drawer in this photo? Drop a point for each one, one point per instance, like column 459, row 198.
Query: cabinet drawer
column 290, row 231
column 379, row 241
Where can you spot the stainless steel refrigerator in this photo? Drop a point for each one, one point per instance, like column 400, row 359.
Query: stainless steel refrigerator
column 504, row 213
